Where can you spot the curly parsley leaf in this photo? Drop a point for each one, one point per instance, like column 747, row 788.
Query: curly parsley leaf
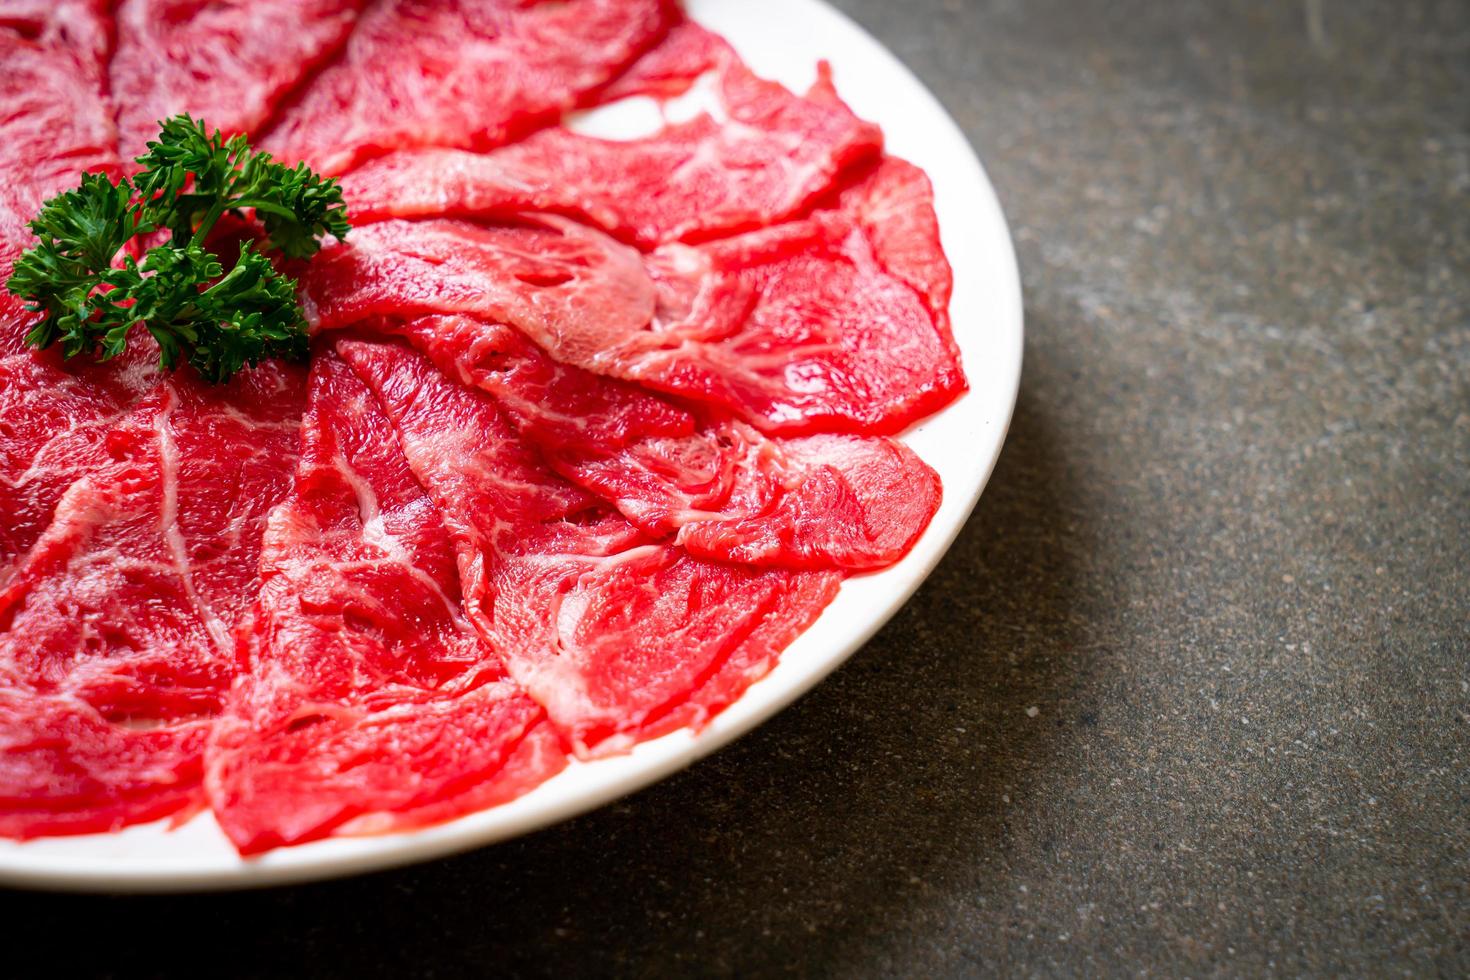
column 80, row 231
column 217, row 318
column 244, row 316
column 191, row 177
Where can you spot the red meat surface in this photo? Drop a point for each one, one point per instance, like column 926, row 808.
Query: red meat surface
column 670, row 67
column 56, row 122
column 368, row 701
column 613, row 632
column 117, row 645
column 228, row 61
column 54, row 420
column 728, row 491
column 893, row 203
column 811, row 325
column 461, row 73
column 765, row 156
column 833, row 323
column 568, row 287
column 83, row 27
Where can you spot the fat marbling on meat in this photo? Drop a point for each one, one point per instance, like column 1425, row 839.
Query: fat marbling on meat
column 466, row 73
column 762, row 155
column 228, row 62
column 619, row 635
column 367, row 702
column 117, row 647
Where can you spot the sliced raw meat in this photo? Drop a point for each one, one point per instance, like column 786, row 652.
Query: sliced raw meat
column 763, row 156
column 836, row 323
column 634, row 478
column 57, row 121
column 730, row 493
column 116, row 629
column 893, row 202
column 65, row 768
column 83, row 27
column 228, row 61
column 617, row 635
column 797, row 328
column 672, row 66
column 462, row 73
column 235, row 450
column 369, row 701
column 111, row 672
column 54, row 420
column 823, row 501
column 570, row 288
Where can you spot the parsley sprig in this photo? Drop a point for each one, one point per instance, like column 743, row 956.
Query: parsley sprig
column 218, row 318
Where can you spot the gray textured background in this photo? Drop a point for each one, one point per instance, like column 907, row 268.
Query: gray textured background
column 1224, row 556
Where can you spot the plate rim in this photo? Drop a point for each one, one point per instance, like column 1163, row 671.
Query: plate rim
column 26, row 864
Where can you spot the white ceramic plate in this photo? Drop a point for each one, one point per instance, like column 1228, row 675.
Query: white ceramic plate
column 962, row 443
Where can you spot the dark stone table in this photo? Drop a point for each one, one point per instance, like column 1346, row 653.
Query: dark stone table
column 1191, row 693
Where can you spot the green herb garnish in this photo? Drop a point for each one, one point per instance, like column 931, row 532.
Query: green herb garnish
column 217, row 317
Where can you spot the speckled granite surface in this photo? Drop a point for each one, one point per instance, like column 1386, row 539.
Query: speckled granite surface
column 1191, row 694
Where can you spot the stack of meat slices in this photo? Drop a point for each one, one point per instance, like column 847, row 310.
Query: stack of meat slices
column 592, row 428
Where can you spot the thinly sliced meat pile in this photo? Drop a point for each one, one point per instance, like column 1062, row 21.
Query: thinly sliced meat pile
column 807, row 325
column 53, row 414
column 728, row 492
column 608, row 627
column 593, row 428
column 367, row 690
column 763, row 155
column 118, row 648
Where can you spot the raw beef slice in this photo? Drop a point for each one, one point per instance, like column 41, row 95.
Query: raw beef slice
column 798, row 328
column 617, row 635
column 460, row 73
column 763, row 155
column 670, row 67
column 893, row 203
column 229, row 61
column 54, row 419
column 82, row 26
column 838, row 322
column 570, row 288
column 730, row 493
column 368, row 703
column 116, row 628
column 57, row 121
